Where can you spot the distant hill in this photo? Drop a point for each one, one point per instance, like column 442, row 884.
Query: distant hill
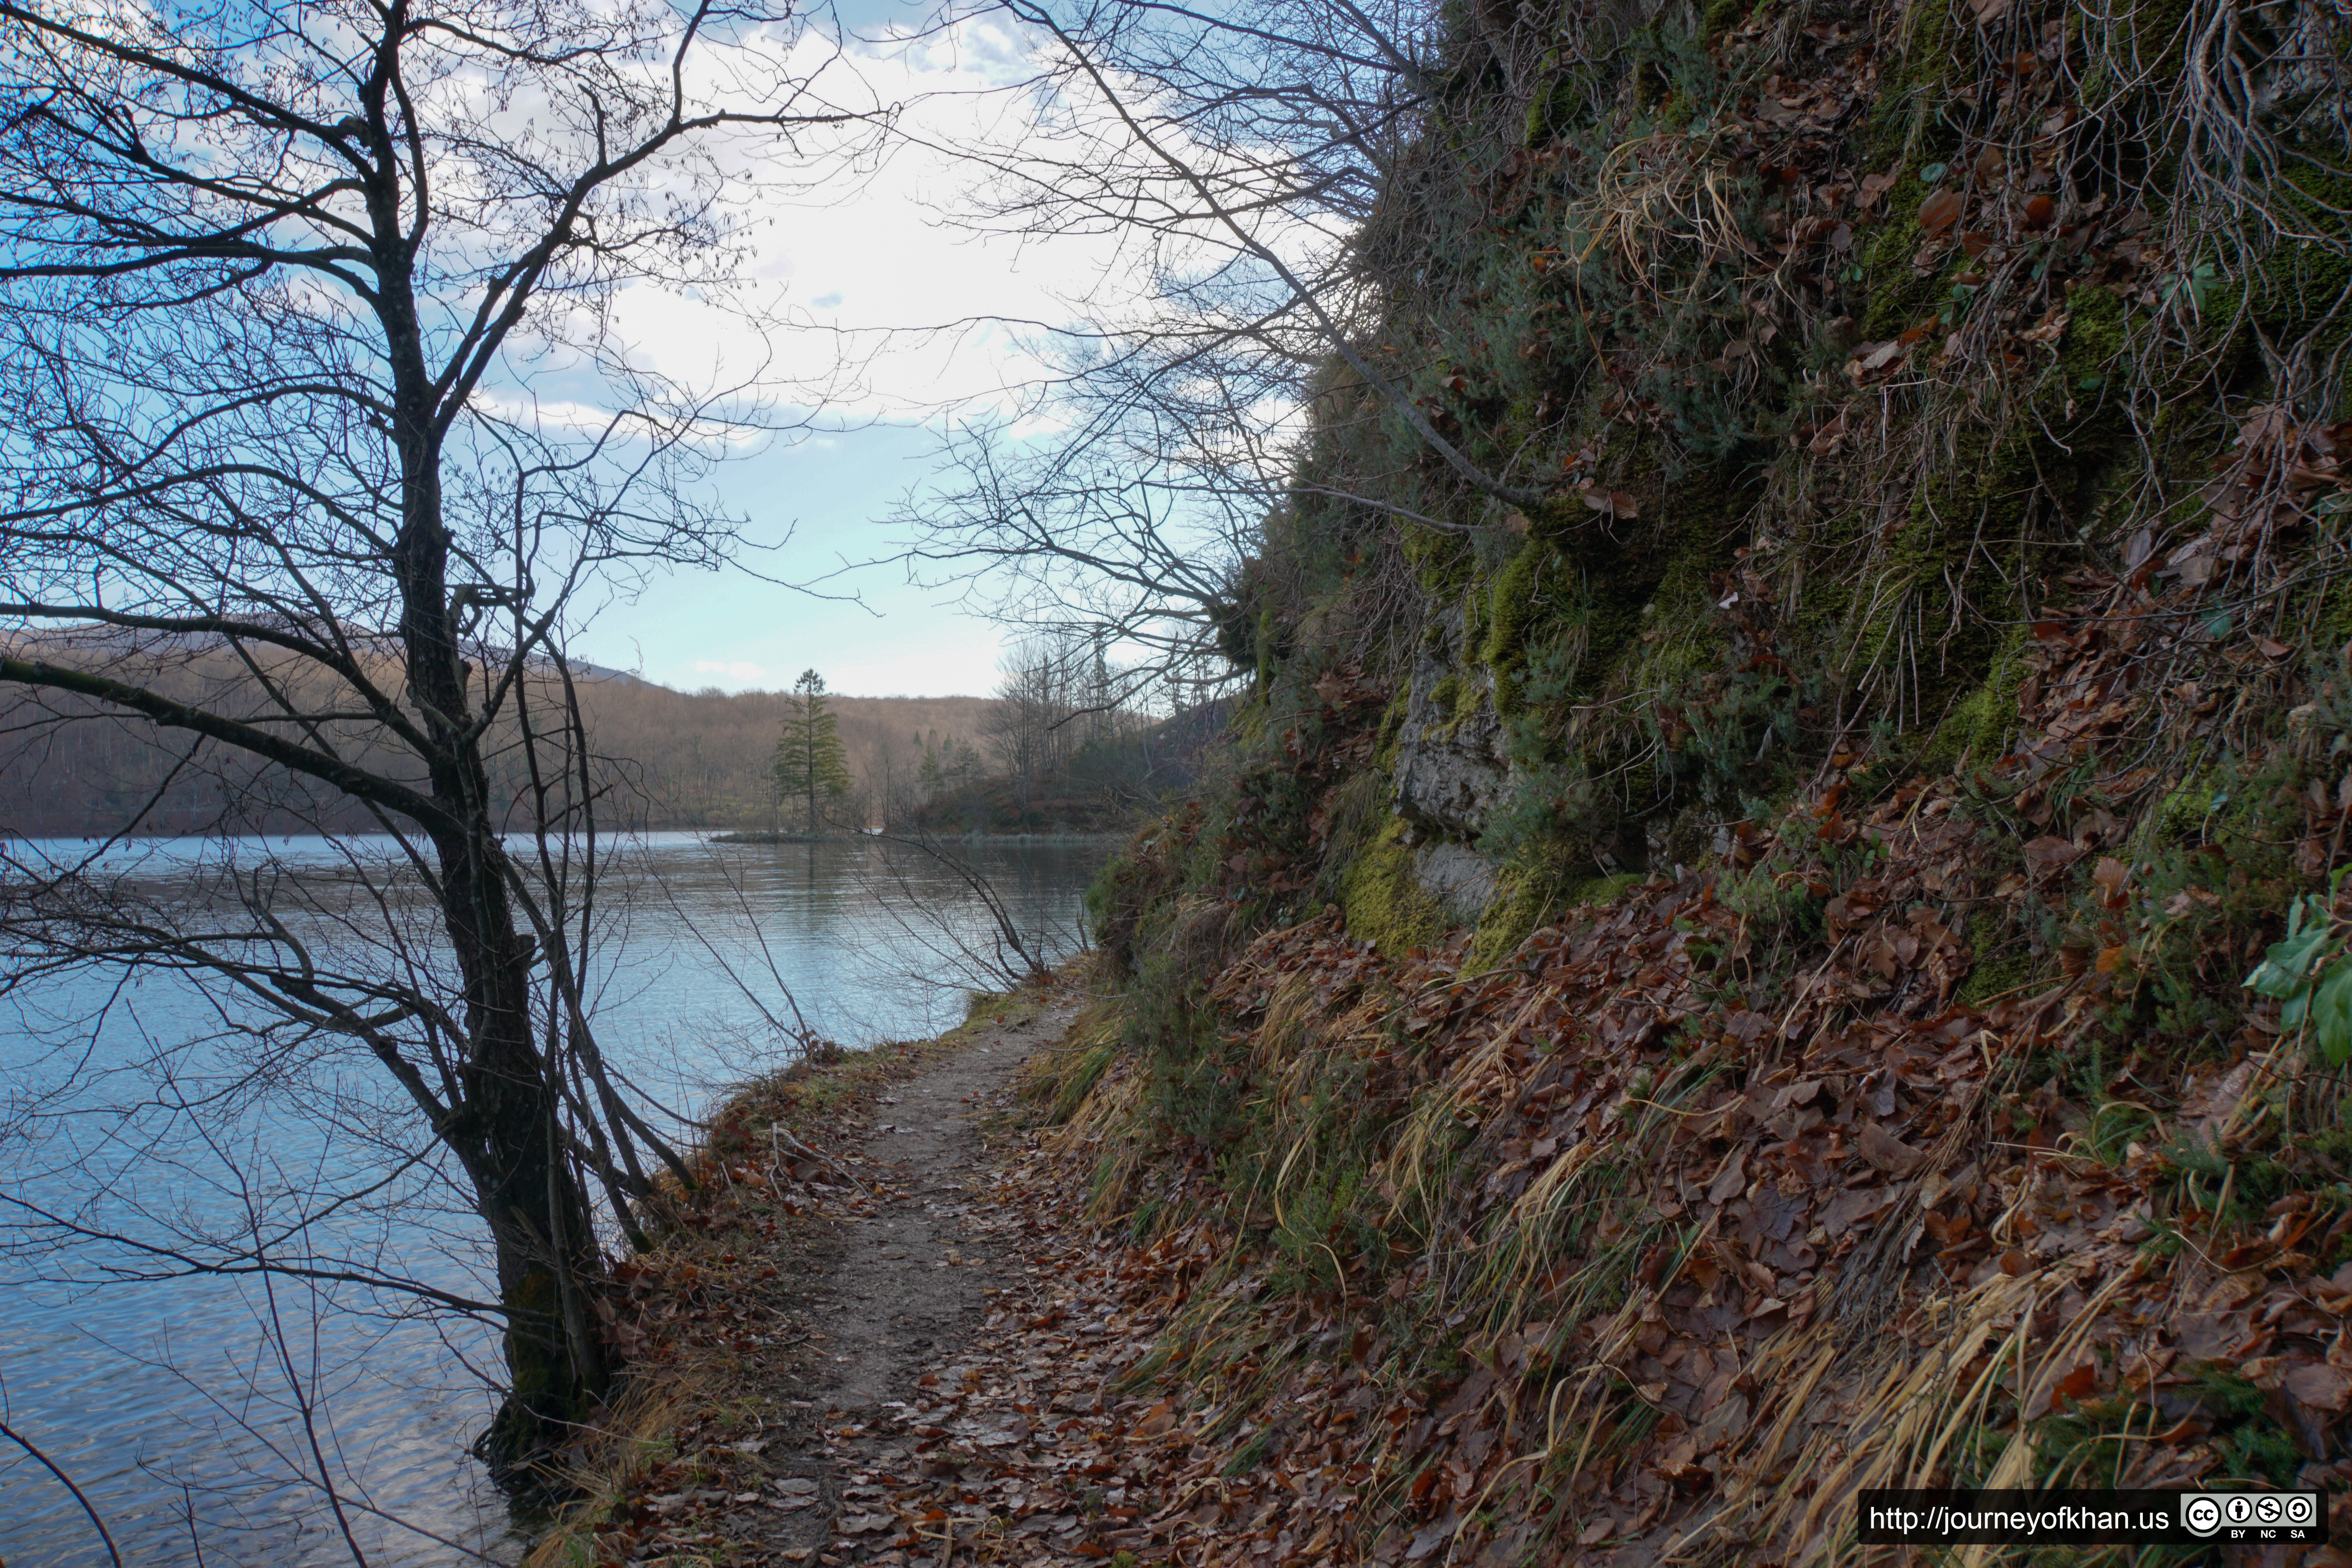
column 674, row 759
column 702, row 757
column 664, row 758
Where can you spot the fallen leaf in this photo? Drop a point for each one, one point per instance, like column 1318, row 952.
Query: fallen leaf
column 1871, row 357
column 1887, row 1152
column 2051, row 329
column 2047, row 855
column 1849, row 1208
column 1732, row 1180
column 2320, row 1385
column 1430, row 1537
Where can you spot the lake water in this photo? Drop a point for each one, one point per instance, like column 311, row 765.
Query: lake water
column 197, row 1436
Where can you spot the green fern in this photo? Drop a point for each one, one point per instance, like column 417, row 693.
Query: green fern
column 2309, row 973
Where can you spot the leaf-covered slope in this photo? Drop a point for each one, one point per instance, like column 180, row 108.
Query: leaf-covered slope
column 1727, row 987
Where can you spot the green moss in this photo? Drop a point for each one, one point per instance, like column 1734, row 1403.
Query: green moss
column 1392, row 718
column 2330, row 614
column 1559, row 108
column 2295, row 290
column 2154, row 33
column 1513, row 607
column 1996, row 977
column 1722, row 16
column 2013, row 489
column 1682, row 633
column 1899, row 298
column 1769, row 905
column 1603, row 891
column 1443, row 563
column 1928, row 47
column 1604, row 626
column 2098, row 336
column 1623, row 583
column 2184, row 813
column 1520, row 902
column 1477, row 616
column 1383, row 901
column 1976, row 727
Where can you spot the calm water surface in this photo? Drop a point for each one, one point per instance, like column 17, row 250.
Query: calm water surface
column 203, row 1410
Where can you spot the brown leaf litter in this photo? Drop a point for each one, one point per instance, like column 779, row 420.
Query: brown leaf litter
column 1670, row 1238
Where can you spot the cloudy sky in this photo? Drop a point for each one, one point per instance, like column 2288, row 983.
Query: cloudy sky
column 872, row 252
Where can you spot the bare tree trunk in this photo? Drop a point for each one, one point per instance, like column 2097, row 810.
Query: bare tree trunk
column 247, row 367
column 506, row 1131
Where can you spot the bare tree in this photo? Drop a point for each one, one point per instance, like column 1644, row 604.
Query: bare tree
column 282, row 284
column 1067, row 719
column 73, row 1488
column 1279, row 172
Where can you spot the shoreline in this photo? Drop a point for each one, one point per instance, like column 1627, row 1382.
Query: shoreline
column 752, row 1346
column 1073, row 836
column 707, row 835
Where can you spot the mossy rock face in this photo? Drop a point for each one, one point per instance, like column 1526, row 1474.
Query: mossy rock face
column 1784, row 632
column 1448, row 765
column 1521, row 900
column 1382, row 898
column 1514, row 607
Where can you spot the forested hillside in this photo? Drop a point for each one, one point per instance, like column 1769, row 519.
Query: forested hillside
column 1798, row 673
column 705, row 756
column 1014, row 761
column 667, row 759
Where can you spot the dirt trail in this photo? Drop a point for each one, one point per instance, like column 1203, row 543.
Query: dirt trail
column 910, row 1280
column 886, row 1295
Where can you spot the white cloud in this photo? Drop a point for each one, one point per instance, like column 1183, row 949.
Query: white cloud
column 848, row 274
column 861, row 281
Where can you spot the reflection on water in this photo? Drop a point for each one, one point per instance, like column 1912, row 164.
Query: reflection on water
column 178, row 1416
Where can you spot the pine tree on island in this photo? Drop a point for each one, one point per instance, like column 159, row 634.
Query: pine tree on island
column 810, row 764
